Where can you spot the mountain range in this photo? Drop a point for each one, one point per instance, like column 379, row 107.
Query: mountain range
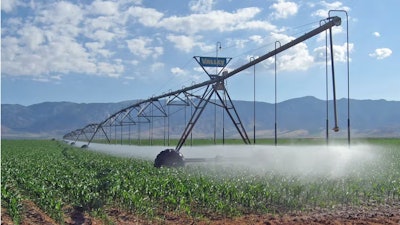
column 300, row 117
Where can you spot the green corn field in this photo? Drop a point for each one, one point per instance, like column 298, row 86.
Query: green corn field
column 56, row 176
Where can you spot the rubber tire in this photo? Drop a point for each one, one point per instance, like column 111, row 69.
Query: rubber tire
column 169, row 158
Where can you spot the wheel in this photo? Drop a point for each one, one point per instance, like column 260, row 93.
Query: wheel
column 169, row 158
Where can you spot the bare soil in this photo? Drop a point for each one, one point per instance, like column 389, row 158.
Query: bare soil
column 372, row 214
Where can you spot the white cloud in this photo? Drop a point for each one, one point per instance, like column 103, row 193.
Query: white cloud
column 324, row 11
column 296, row 58
column 146, row 16
column 31, row 37
column 201, row 6
column 101, row 22
column 62, row 56
column 135, row 62
column 339, row 53
column 9, row 5
column 221, row 21
column 141, row 47
column 156, row 66
column 187, row 43
column 182, row 42
column 110, row 69
column 255, row 24
column 238, row 43
column 376, row 34
column 60, row 13
column 177, row 71
column 63, row 37
column 257, row 39
column 381, row 53
column 103, row 35
column 50, row 43
column 284, row 9
column 98, row 48
column 47, row 79
column 103, row 8
column 299, row 57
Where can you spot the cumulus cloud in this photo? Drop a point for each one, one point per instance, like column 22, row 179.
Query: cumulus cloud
column 376, row 34
column 59, row 13
column 201, row 6
column 381, row 53
column 186, row 43
column 326, row 6
column 146, row 16
column 339, row 53
column 238, row 43
column 142, row 47
column 63, row 37
column 283, row 9
column 177, row 71
column 221, row 21
column 297, row 58
column 257, row 39
column 51, row 43
column 156, row 66
column 189, row 26
column 103, row 8
column 9, row 5
column 182, row 42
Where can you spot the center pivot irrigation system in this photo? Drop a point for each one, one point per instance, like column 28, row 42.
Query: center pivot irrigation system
column 144, row 111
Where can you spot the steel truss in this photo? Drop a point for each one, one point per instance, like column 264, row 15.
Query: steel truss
column 158, row 106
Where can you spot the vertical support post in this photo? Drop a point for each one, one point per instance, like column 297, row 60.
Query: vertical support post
column 217, row 47
column 185, row 111
column 121, row 133
column 276, row 98
column 168, row 120
column 191, row 113
column 223, row 121
column 223, row 111
column 129, row 134
column 254, row 101
column 326, row 87
column 152, row 125
column 165, row 118
column 139, row 141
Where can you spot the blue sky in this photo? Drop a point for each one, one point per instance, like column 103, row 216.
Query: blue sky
column 111, row 51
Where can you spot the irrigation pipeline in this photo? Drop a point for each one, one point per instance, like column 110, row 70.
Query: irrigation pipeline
column 332, row 21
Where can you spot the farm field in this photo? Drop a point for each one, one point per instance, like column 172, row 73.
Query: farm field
column 50, row 182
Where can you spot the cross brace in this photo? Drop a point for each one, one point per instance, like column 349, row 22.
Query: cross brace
column 199, row 108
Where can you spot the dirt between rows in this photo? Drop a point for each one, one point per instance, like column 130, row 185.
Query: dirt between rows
column 382, row 214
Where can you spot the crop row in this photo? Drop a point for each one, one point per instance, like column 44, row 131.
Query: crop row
column 56, row 176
